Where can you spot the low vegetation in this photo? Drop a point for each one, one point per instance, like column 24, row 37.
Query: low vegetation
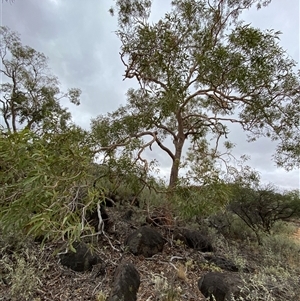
column 58, row 180
column 272, row 253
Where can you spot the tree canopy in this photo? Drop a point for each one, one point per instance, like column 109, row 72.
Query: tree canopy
column 30, row 94
column 45, row 160
column 200, row 68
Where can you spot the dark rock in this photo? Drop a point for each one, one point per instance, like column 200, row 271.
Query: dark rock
column 222, row 263
column 220, row 286
column 126, row 283
column 145, row 241
column 194, row 239
column 82, row 260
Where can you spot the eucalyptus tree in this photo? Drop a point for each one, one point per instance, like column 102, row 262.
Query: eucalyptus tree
column 30, row 95
column 200, row 68
column 45, row 160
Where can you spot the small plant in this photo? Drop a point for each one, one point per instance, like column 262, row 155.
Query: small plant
column 211, row 267
column 284, row 228
column 100, row 296
column 165, row 291
column 20, row 272
column 181, row 272
column 24, row 280
column 22, row 267
column 261, row 287
column 171, row 295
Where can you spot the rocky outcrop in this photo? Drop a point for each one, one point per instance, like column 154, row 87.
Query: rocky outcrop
column 220, row 286
column 125, row 284
column 194, row 239
column 145, row 241
column 82, row 260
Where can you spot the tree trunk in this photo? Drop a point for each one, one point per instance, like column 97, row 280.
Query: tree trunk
column 12, row 105
column 176, row 162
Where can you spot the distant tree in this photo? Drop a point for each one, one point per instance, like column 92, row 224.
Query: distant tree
column 30, row 95
column 261, row 208
column 199, row 69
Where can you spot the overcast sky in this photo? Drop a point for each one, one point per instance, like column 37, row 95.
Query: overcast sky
column 78, row 38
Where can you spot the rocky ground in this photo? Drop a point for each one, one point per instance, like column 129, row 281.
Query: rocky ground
column 29, row 273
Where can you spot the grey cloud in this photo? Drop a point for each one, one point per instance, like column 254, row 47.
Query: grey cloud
column 78, row 37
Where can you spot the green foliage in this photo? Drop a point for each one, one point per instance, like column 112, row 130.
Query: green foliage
column 24, row 279
column 41, row 183
column 201, row 68
column 277, row 275
column 284, row 228
column 201, row 201
column 275, row 261
column 261, row 208
column 281, row 251
column 231, row 227
column 30, row 95
column 122, row 176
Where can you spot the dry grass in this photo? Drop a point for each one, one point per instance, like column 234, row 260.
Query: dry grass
column 57, row 283
column 181, row 272
column 296, row 236
column 168, row 276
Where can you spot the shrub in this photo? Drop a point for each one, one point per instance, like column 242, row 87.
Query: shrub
column 21, row 267
column 261, row 287
column 230, row 226
column 191, row 201
column 260, row 209
column 280, row 251
column 41, row 180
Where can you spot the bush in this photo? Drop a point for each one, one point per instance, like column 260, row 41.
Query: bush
column 260, row 209
column 201, row 201
column 41, row 183
column 280, row 251
column 261, row 287
column 233, row 227
column 21, row 267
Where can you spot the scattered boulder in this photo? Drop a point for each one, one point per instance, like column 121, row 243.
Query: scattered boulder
column 81, row 261
column 126, row 283
column 222, row 263
column 220, row 286
column 227, row 264
column 145, row 241
column 194, row 239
